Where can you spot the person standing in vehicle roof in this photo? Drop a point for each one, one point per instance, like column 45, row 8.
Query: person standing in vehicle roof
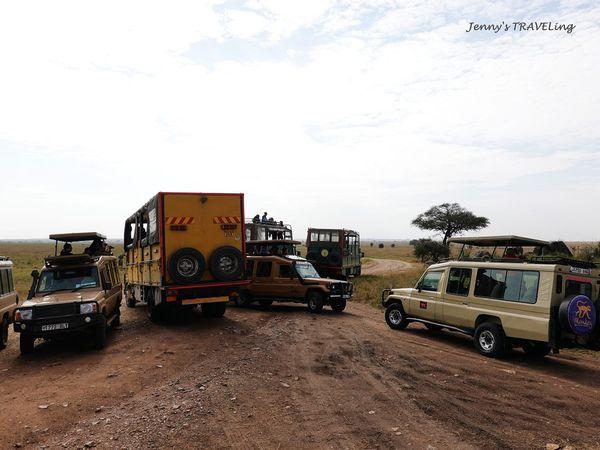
column 265, row 218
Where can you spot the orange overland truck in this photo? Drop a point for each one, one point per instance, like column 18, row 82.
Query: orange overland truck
column 185, row 249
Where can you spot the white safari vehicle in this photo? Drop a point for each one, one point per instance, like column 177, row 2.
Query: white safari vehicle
column 536, row 301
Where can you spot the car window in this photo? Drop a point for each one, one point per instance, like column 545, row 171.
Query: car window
column 511, row 285
column 4, row 279
column 459, row 281
column 263, row 269
column 578, row 288
column 431, row 281
column 285, row 271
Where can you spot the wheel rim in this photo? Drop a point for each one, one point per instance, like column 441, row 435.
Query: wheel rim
column 395, row 317
column 487, row 340
column 312, row 303
column 228, row 264
column 187, row 267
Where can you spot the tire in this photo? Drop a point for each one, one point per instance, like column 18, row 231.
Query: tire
column 536, row 349
column 490, row 340
column 26, row 344
column 226, row 264
column 395, row 317
column 155, row 312
column 131, row 302
column 265, row 304
column 315, row 302
column 338, row 306
column 100, row 334
column 245, row 298
column 117, row 320
column 432, row 327
column 214, row 309
column 186, row 266
column 4, row 333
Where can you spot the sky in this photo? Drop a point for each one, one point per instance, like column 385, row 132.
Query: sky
column 326, row 113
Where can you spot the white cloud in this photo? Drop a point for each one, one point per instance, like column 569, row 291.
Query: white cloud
column 394, row 108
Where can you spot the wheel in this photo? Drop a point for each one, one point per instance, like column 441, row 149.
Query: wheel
column 214, row 309
column 155, row 312
column 26, row 343
column 131, row 302
column 490, row 340
column 245, row 298
column 265, row 303
column 226, row 263
column 536, row 349
column 395, row 317
column 100, row 334
column 338, row 305
column 315, row 302
column 432, row 327
column 4, row 333
column 186, row 266
column 117, row 320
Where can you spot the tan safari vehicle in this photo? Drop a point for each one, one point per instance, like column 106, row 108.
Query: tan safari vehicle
column 290, row 278
column 538, row 302
column 73, row 294
column 9, row 300
column 185, row 249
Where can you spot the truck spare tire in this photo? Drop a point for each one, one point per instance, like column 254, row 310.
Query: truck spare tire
column 577, row 314
column 226, row 263
column 186, row 266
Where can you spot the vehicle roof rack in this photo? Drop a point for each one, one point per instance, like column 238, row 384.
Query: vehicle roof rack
column 77, row 237
column 273, row 242
column 499, row 241
column 563, row 261
column 69, row 260
column 4, row 258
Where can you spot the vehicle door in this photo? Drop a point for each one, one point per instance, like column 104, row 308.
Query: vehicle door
column 425, row 302
column 263, row 280
column 110, row 294
column 285, row 280
column 455, row 299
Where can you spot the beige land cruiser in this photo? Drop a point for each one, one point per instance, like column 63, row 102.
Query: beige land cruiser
column 75, row 293
column 539, row 303
column 291, row 278
column 9, row 299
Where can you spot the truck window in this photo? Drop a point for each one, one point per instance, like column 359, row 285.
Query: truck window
column 512, row 285
column 263, row 269
column 431, row 281
column 314, row 236
column 324, row 236
column 335, row 236
column 285, row 271
column 459, row 281
column 2, row 288
column 11, row 287
column 578, row 288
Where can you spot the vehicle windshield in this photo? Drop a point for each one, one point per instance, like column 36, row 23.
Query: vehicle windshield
column 306, row 270
column 68, row 279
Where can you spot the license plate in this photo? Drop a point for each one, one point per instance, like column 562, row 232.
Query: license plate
column 55, row 326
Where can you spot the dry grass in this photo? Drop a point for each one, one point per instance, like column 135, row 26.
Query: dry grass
column 367, row 288
column 27, row 256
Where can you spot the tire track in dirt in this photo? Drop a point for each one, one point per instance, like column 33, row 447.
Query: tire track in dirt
column 376, row 266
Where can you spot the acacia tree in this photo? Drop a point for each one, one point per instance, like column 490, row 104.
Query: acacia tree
column 449, row 219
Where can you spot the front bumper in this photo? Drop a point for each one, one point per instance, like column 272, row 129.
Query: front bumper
column 75, row 323
column 340, row 296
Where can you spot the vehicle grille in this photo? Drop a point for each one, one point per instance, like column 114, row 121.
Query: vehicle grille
column 340, row 288
column 67, row 309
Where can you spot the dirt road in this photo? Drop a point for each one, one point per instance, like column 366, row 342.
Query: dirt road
column 288, row 379
column 385, row 266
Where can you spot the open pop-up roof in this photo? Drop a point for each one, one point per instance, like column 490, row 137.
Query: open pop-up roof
column 77, row 237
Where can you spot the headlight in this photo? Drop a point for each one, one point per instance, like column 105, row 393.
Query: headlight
column 23, row 314
column 88, row 308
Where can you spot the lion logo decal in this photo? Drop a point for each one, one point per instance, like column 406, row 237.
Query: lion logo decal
column 583, row 310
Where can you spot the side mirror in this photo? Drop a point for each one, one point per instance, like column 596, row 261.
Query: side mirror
column 419, row 287
column 35, row 273
column 362, row 254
